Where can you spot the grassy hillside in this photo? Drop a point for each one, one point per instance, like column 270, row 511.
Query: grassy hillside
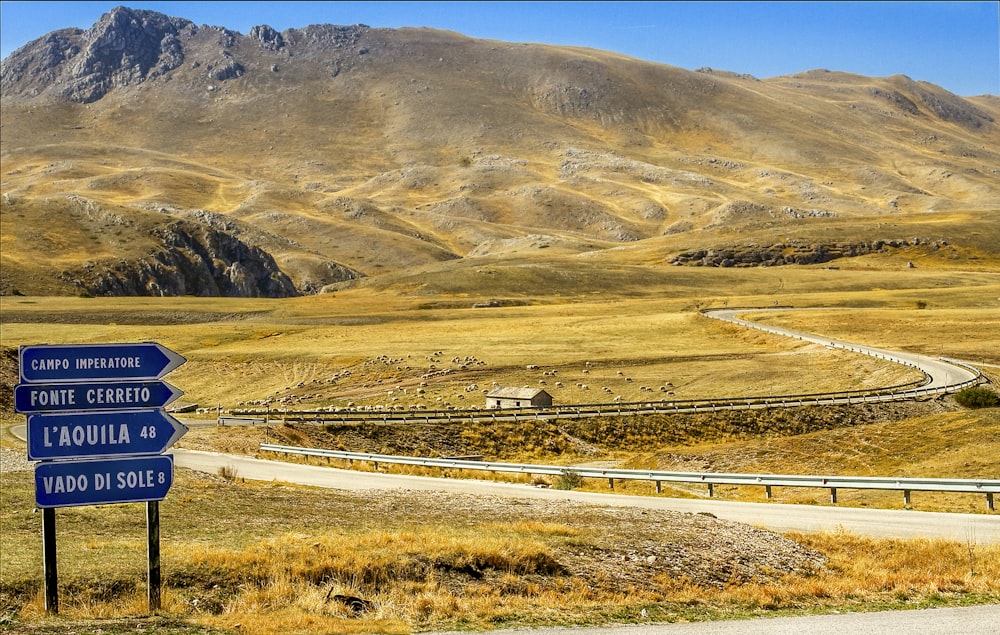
column 388, row 152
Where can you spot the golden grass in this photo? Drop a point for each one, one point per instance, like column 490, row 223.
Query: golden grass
column 239, row 349
column 268, row 347
column 416, row 578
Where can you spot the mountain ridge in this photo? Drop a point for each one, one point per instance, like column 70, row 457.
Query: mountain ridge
column 347, row 152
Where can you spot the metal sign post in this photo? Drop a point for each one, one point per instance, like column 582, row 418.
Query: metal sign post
column 96, row 423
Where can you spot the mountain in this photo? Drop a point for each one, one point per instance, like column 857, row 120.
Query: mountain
column 150, row 155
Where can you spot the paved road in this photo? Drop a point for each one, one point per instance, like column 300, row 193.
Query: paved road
column 941, row 372
column 972, row 620
column 896, row 523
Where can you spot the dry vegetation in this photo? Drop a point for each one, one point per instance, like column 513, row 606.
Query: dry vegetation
column 235, row 561
column 526, row 228
column 442, row 564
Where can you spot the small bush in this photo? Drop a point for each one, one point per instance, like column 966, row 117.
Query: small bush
column 228, row 472
column 977, row 397
column 568, row 480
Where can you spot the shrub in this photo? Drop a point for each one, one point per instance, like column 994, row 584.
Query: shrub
column 228, row 472
column 568, row 480
column 977, row 397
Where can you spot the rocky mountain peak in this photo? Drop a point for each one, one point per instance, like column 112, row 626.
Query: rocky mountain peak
column 124, row 48
column 268, row 37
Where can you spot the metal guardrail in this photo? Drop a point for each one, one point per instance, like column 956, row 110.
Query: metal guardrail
column 224, row 419
column 989, row 487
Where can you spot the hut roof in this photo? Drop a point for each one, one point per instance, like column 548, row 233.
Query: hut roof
column 515, row 393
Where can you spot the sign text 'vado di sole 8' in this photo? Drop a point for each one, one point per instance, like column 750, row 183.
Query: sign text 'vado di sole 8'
column 103, row 482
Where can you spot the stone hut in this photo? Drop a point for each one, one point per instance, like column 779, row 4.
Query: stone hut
column 518, row 398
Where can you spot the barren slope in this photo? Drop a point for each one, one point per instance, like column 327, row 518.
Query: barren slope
column 345, row 152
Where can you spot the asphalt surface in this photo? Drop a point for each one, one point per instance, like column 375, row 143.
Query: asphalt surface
column 973, row 620
column 888, row 523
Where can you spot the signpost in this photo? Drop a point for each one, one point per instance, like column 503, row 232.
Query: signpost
column 103, row 482
column 59, row 363
column 96, row 423
column 80, row 435
column 104, row 395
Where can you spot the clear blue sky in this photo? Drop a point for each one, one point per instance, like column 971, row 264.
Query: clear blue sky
column 953, row 44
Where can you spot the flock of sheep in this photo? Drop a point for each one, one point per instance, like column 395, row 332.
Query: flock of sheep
column 408, row 390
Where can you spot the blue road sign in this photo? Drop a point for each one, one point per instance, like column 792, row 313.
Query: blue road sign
column 103, row 482
column 49, row 363
column 87, row 435
column 109, row 395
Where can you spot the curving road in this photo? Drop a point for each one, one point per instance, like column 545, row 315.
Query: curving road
column 974, row 528
column 943, row 373
column 890, row 523
column 775, row 516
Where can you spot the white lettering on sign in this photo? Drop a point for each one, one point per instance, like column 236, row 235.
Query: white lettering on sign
column 85, row 435
column 140, row 479
column 65, row 484
column 50, row 364
column 102, row 481
column 52, row 397
column 128, row 395
column 86, row 363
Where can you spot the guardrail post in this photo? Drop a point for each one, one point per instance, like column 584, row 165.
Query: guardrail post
column 906, row 497
column 659, row 487
column 833, row 494
column 711, row 490
column 611, row 483
column 989, row 501
column 767, row 492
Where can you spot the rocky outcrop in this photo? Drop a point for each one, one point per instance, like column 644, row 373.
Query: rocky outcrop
column 267, row 37
column 225, row 68
column 790, row 253
column 125, row 47
column 191, row 260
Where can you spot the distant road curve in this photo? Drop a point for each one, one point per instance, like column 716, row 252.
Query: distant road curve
column 943, row 373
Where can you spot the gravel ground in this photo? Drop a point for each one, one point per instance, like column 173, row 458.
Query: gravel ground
column 15, row 461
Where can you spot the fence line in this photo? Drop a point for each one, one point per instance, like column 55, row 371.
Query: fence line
column 989, row 487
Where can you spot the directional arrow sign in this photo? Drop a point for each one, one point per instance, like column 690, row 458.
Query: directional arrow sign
column 108, row 395
column 78, row 436
column 82, row 362
column 103, row 482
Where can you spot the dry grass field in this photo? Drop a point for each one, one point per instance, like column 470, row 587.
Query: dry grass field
column 234, row 561
column 526, row 564
column 440, row 214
